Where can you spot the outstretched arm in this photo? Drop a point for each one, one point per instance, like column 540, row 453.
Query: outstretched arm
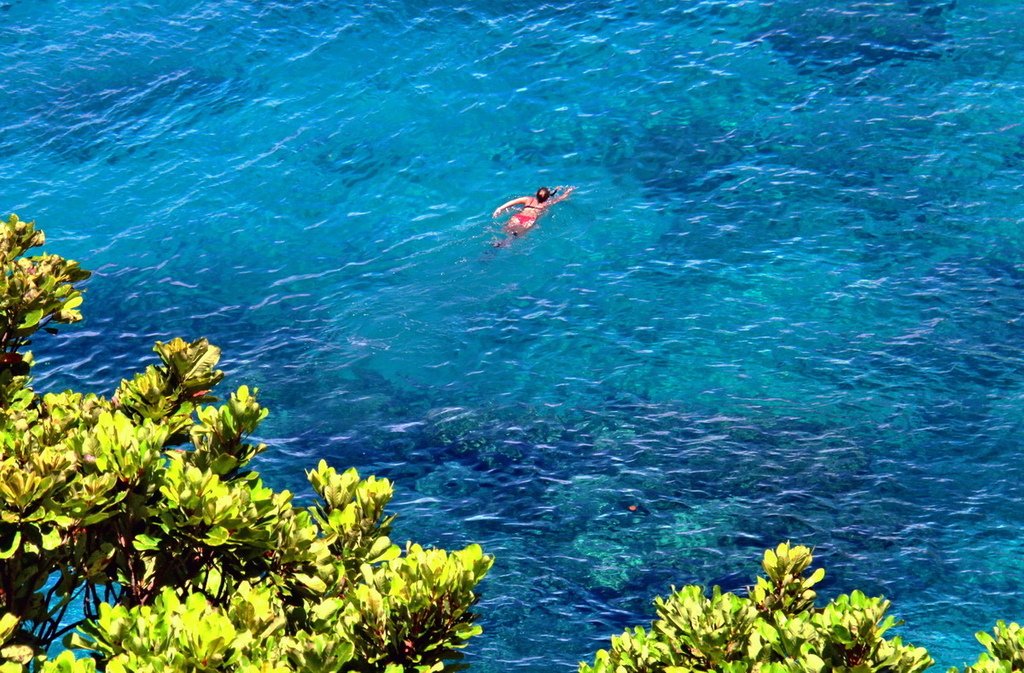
column 562, row 193
column 514, row 202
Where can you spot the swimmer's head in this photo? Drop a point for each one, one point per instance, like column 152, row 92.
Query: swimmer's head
column 543, row 194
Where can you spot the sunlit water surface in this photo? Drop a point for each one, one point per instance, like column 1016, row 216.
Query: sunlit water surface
column 785, row 303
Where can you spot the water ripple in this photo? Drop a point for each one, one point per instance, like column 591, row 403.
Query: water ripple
column 783, row 304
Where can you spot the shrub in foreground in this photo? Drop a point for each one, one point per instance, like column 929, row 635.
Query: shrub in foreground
column 778, row 628
column 140, row 513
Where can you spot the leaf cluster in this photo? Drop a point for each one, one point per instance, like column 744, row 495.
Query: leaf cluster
column 142, row 512
column 35, row 291
column 776, row 629
column 1004, row 650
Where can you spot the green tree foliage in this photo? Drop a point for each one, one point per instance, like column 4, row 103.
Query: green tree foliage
column 1004, row 650
column 776, row 629
column 142, row 512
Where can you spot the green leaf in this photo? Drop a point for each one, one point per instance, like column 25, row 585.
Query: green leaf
column 52, row 539
column 313, row 583
column 815, row 577
column 8, row 623
column 15, row 545
column 31, row 319
column 144, row 542
column 19, row 653
column 217, row 536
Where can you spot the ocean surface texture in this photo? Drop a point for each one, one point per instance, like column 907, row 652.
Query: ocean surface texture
column 785, row 303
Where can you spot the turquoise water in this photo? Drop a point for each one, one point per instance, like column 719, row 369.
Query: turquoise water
column 785, row 302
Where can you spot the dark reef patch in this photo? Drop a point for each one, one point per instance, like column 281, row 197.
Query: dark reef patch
column 844, row 39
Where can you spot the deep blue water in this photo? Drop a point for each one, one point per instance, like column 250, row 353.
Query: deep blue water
column 786, row 301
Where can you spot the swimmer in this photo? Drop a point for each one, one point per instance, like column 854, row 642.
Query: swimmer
column 532, row 208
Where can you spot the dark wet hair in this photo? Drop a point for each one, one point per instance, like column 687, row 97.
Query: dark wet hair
column 543, row 194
